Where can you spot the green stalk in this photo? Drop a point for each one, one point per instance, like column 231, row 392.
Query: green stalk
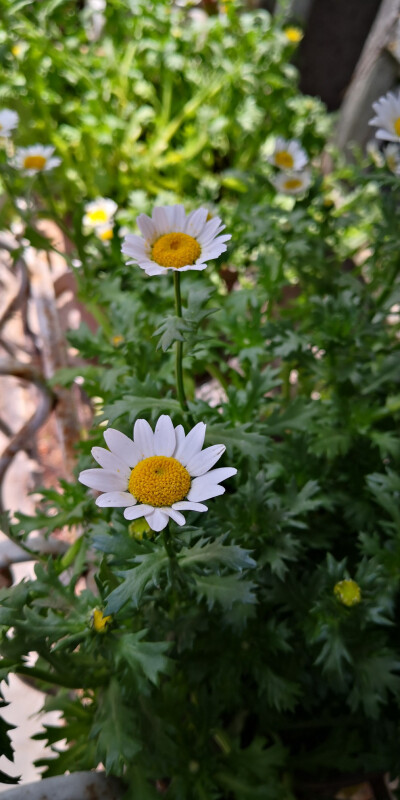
column 178, row 353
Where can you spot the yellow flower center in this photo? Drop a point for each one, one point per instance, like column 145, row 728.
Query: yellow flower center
column 118, row 339
column 100, row 622
column 294, row 34
column 284, row 159
column 159, row 481
column 176, row 250
column 292, row 183
column 396, row 126
column 106, row 235
column 34, row 162
column 347, row 592
column 99, row 215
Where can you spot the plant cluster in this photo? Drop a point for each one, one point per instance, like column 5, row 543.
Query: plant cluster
column 250, row 651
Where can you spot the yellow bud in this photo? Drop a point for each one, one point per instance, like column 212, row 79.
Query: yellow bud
column 347, row 592
column 116, row 340
column 100, row 622
column 139, row 528
column 293, row 34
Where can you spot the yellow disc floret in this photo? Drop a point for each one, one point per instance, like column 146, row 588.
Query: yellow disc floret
column 34, row 162
column 99, row 215
column 293, row 183
column 293, row 34
column 396, row 126
column 159, row 481
column 176, row 250
column 284, row 159
column 347, row 592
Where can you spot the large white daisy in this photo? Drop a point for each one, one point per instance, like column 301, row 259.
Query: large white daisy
column 8, row 121
column 292, row 182
column 99, row 213
column 35, row 158
column 157, row 475
column 288, row 155
column 387, row 119
column 172, row 240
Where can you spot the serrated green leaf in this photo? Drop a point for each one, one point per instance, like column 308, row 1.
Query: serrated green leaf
column 225, row 589
column 114, row 730
column 215, row 553
column 133, row 406
column 248, row 442
column 147, row 657
column 147, row 570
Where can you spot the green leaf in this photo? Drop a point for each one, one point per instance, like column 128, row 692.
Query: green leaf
column 171, row 330
column 248, row 443
column 147, row 657
column 133, row 406
column 114, row 730
column 226, row 590
column 215, row 553
column 135, row 580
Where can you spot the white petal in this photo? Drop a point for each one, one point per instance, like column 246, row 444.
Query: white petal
column 186, row 505
column 221, row 474
column 122, row 446
column 116, row 500
column 196, row 267
column 102, row 480
column 164, row 437
column 160, row 221
column 157, row 520
column 202, row 462
column 134, row 512
column 180, row 437
column 144, row 438
column 389, row 137
column 146, row 227
column 175, row 515
column 196, row 222
column 199, row 492
column 176, row 218
column 192, row 444
column 110, row 462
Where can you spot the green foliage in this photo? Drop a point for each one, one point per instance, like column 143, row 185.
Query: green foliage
column 230, row 669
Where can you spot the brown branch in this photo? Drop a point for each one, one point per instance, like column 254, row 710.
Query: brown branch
column 21, row 294
column 38, row 418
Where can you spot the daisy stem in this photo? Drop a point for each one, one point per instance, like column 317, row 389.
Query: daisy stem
column 178, row 353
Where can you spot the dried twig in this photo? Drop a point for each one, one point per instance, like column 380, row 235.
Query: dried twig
column 28, row 430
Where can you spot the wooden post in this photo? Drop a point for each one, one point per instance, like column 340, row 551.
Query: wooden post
column 375, row 74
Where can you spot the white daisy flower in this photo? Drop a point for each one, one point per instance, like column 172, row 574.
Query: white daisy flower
column 172, row 240
column 35, row 158
column 8, row 121
column 157, row 475
column 292, row 182
column 387, row 120
column 288, row 155
column 392, row 158
column 99, row 213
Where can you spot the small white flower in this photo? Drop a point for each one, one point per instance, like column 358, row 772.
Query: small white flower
column 392, row 158
column 288, row 155
column 157, row 475
column 8, row 121
column 387, row 119
column 99, row 213
column 35, row 158
column 292, row 182
column 173, row 240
